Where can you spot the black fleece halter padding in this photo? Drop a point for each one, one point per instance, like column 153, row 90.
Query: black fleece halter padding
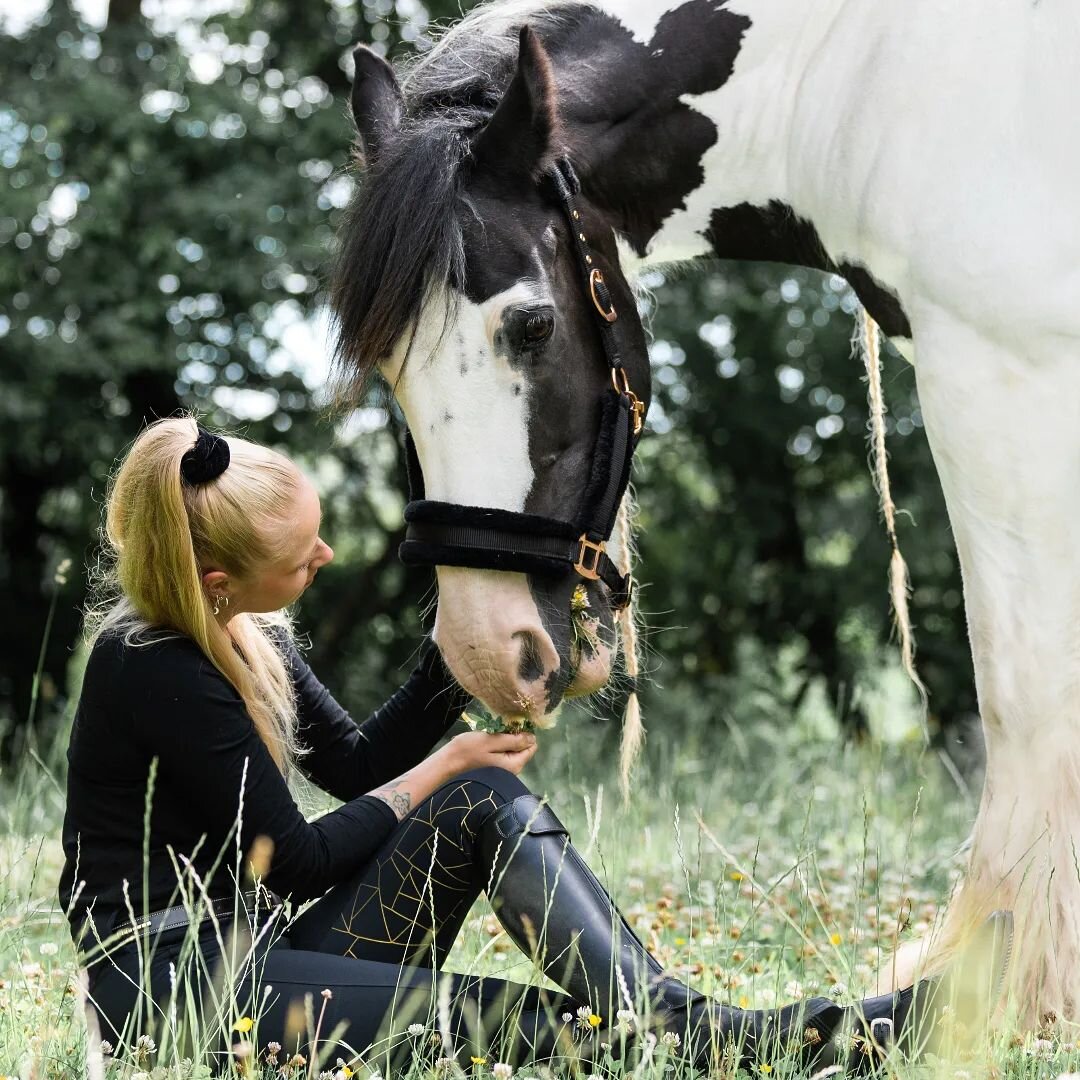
column 448, row 534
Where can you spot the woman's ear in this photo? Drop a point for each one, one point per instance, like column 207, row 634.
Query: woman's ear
column 215, row 582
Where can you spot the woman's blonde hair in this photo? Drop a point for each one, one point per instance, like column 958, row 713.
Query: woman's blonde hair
column 161, row 534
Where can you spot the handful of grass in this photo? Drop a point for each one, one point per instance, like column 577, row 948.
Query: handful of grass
column 496, row 725
column 583, row 630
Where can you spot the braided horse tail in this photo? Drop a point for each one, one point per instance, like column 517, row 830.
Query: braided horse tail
column 868, row 336
column 633, row 732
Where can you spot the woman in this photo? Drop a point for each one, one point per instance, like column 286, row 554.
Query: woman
column 195, row 710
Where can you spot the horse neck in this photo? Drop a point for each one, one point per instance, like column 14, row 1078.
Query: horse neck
column 675, row 112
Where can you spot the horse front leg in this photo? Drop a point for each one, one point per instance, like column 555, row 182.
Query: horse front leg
column 1004, row 428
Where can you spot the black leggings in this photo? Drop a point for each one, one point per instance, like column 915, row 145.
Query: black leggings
column 377, row 943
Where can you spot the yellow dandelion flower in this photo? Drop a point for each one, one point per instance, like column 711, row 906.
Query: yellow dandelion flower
column 744, row 1002
column 680, row 941
column 243, row 1025
column 736, row 876
column 836, row 939
column 594, row 1020
column 766, row 1069
column 478, row 1060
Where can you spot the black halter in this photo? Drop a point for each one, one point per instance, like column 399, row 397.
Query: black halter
column 447, row 534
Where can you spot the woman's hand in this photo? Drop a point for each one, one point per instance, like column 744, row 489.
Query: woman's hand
column 473, row 750
column 478, row 750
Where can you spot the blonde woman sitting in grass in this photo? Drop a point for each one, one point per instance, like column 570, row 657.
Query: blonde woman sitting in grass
column 195, row 711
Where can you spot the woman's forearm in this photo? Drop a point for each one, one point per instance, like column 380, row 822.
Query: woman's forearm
column 411, row 788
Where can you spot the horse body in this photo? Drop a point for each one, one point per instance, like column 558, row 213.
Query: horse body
column 922, row 150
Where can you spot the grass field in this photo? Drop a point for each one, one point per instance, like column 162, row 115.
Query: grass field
column 759, row 856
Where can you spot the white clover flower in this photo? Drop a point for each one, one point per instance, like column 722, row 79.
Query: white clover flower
column 567, row 1017
column 48, row 948
column 670, row 1038
column 838, row 990
column 106, row 1048
column 793, row 990
column 501, row 1071
column 144, row 1047
column 584, row 1012
column 416, row 1029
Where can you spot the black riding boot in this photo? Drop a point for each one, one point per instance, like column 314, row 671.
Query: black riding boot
column 555, row 911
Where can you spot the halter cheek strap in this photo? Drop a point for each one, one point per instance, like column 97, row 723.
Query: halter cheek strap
column 448, row 534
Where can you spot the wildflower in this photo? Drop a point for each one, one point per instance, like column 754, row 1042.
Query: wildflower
column 343, row 1073
column 242, row 1050
column 736, row 876
column 625, row 1021
column 48, row 948
column 680, row 941
column 478, row 1060
column 502, row 1071
column 298, row 1061
column 579, row 602
column 766, row 1069
column 670, row 1038
column 416, row 1029
column 567, row 1017
column 243, row 1025
column 272, row 1051
column 836, row 939
column 793, row 990
column 144, row 1047
column 838, row 990
column 60, row 577
column 1041, row 1048
column 327, row 994
column 106, row 1048
column 445, row 1064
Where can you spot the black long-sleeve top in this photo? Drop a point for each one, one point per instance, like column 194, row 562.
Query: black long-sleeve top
column 167, row 701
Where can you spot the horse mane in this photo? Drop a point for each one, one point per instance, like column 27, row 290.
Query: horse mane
column 400, row 237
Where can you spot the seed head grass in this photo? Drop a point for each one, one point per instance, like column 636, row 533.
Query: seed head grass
column 760, row 858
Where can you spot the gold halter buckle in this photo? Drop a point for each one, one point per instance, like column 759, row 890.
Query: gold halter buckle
column 637, row 406
column 597, row 278
column 589, row 558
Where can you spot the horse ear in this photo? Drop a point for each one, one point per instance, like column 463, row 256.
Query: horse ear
column 376, row 102
column 523, row 132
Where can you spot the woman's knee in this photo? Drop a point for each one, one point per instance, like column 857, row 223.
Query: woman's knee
column 502, row 783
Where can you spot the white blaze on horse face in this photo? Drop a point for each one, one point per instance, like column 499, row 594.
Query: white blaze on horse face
column 467, row 409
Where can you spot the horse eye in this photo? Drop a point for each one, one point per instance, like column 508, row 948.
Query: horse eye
column 538, row 327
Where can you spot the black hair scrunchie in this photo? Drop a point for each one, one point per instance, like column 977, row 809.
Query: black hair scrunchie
column 206, row 460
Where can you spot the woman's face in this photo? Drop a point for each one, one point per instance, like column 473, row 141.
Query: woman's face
column 278, row 584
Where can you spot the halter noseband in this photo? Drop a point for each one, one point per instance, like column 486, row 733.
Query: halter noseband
column 447, row 534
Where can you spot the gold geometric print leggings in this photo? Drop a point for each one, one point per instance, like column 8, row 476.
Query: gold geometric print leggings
column 379, row 940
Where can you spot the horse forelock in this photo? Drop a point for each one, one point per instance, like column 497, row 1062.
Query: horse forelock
column 401, row 239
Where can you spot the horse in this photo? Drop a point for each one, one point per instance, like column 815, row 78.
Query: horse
column 526, row 168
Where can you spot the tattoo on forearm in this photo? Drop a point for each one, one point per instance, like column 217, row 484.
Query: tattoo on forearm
column 398, row 801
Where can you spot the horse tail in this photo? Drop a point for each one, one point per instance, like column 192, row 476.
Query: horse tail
column 633, row 732
column 899, row 581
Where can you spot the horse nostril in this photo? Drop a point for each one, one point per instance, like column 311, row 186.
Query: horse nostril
column 531, row 665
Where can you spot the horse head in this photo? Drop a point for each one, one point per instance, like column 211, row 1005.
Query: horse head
column 487, row 291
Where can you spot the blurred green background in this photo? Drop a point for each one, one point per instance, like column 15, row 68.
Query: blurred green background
column 171, row 179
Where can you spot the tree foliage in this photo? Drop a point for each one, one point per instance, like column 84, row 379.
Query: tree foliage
column 168, row 201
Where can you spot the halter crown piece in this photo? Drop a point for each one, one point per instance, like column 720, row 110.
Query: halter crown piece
column 206, row 460
column 446, row 534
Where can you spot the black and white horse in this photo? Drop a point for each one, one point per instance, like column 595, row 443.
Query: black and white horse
column 923, row 150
